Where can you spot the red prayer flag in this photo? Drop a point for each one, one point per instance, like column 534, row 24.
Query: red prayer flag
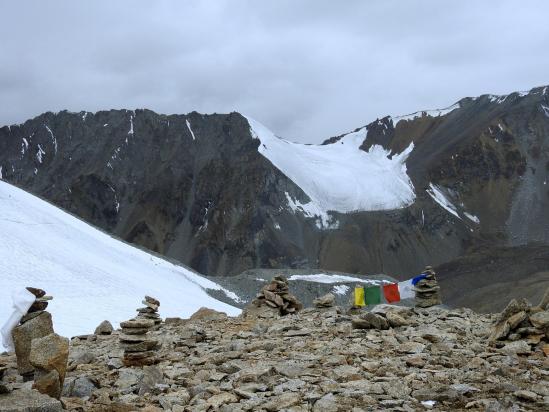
column 391, row 292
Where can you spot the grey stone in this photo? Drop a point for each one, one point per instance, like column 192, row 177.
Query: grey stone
column 79, row 387
column 516, row 348
column 152, row 376
column 328, row 403
column 50, row 352
column 137, row 323
column 370, row 320
column 411, row 347
column 526, row 395
column 540, row 319
column 396, row 320
column 104, row 328
column 325, row 301
column 281, row 402
column 48, row 383
column 24, row 400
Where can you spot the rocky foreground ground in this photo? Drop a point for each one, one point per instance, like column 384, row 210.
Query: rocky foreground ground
column 314, row 360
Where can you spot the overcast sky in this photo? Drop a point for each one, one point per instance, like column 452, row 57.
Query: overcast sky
column 308, row 70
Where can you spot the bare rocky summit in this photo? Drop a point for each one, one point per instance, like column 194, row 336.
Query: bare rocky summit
column 315, row 360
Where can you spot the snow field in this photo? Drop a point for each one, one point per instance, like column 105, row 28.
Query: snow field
column 91, row 275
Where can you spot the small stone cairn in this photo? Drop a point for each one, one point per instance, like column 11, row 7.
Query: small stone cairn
column 150, row 311
column 277, row 296
column 135, row 339
column 521, row 327
column 427, row 290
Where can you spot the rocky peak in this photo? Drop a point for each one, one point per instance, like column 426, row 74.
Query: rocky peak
column 201, row 188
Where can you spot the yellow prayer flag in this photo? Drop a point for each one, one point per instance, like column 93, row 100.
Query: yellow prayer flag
column 359, row 296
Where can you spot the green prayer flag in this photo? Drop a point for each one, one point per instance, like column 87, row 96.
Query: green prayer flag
column 373, row 295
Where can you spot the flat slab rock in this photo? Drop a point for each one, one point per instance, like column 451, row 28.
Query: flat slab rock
column 137, row 323
column 28, row 401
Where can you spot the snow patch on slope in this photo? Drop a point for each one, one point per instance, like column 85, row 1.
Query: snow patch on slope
column 325, row 278
column 339, row 177
column 53, row 139
column 545, row 109
column 472, row 217
column 189, row 127
column 91, row 275
column 39, row 154
column 340, row 289
column 130, row 132
column 322, row 219
column 437, row 195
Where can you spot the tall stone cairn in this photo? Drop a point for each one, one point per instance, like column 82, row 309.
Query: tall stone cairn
column 36, row 323
column 136, row 340
column 427, row 290
column 277, row 296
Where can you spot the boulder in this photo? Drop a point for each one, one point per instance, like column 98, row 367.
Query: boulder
column 540, row 320
column 83, row 387
column 49, row 355
column 370, row 320
column 23, row 335
column 207, row 314
column 519, row 347
column 48, row 383
column 152, row 376
column 500, row 331
column 220, row 399
column 514, row 306
column 325, row 301
column 25, row 400
column 50, row 352
column 395, row 320
column 104, row 328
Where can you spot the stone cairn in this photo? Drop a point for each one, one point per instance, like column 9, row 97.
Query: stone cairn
column 427, row 290
column 139, row 347
column 42, row 355
column 150, row 311
column 277, row 296
column 36, row 323
column 522, row 327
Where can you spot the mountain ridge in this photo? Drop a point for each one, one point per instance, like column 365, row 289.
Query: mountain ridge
column 197, row 188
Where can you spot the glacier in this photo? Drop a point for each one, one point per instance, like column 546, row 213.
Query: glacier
column 340, row 177
column 91, row 275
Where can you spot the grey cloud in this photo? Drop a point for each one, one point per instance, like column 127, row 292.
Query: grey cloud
column 307, row 69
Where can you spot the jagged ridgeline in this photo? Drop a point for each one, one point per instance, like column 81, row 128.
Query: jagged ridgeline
column 223, row 194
